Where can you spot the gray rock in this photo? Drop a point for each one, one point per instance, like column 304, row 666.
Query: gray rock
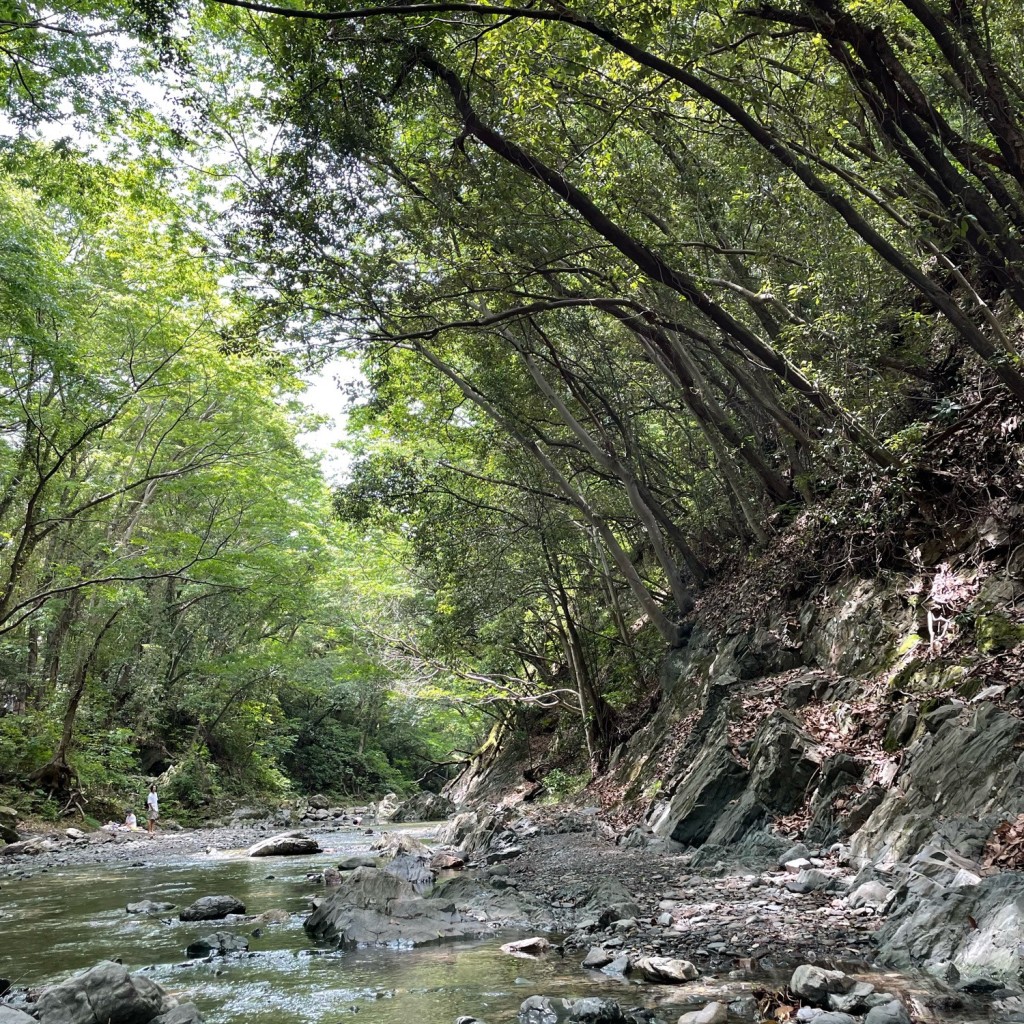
column 540, row 1010
column 359, row 860
column 713, row 1013
column 286, row 844
column 105, row 994
column 869, row 894
column 617, row 968
column 424, row 807
column 854, row 1001
column 183, row 1013
column 217, row 944
column 815, row 984
column 318, row 802
column 148, row 907
column 597, row 958
column 798, row 852
column 928, row 925
column 372, row 907
column 212, row 908
column 665, row 970
column 9, row 825
column 891, row 1013
column 9, row 1015
column 831, row 1017
column 810, row 880
column 593, row 1010
column 531, row 947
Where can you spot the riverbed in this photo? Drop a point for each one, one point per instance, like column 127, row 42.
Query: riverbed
column 60, row 920
column 61, row 914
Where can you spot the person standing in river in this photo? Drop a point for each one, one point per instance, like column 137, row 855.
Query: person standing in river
column 152, row 809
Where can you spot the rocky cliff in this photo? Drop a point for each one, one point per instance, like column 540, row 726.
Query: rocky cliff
column 877, row 715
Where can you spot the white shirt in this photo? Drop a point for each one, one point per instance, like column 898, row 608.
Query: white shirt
column 151, row 801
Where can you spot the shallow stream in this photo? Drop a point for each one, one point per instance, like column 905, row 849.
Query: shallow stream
column 59, row 921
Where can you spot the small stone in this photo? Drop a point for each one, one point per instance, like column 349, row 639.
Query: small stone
column 597, row 958
column 798, row 864
column 893, row 1012
column 531, row 947
column 870, row 894
column 617, row 968
column 814, row 984
column 713, row 1013
column 797, row 852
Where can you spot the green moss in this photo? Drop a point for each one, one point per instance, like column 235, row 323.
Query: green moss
column 994, row 632
column 908, row 644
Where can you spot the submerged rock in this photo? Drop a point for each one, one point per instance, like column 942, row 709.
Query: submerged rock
column 218, row 944
column 148, row 907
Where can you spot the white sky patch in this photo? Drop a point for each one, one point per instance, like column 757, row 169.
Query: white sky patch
column 326, row 397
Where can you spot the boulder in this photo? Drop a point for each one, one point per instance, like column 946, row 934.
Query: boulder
column 217, row 944
column 794, row 853
column 212, row 908
column 148, row 907
column 445, row 861
column 105, row 994
column 545, row 1010
column 372, row 907
column 285, row 844
column 424, row 807
column 814, row 984
column 29, row 847
column 665, row 970
column 318, row 802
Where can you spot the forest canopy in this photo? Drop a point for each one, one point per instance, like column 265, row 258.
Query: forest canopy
column 633, row 288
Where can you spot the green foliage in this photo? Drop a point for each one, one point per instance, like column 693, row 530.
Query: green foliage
column 560, row 785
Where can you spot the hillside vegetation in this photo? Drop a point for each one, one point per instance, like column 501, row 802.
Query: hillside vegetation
column 652, row 301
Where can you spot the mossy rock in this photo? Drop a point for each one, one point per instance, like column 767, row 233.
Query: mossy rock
column 994, row 632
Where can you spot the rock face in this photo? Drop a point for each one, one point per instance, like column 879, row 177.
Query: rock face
column 956, row 777
column 424, row 807
column 930, row 925
column 212, row 908
column 286, row 844
column 372, row 907
column 108, row 994
column 8, row 823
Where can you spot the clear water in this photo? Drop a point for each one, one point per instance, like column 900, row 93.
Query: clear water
column 61, row 921
column 64, row 920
